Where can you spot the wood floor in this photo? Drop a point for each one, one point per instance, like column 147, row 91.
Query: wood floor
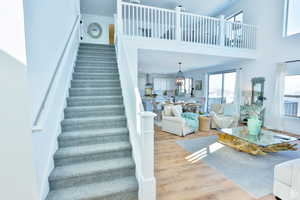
column 179, row 179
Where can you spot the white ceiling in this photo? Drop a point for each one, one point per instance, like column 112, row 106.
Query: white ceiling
column 167, row 62
column 204, row 7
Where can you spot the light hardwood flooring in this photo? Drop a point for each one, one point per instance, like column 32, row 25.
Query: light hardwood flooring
column 178, row 179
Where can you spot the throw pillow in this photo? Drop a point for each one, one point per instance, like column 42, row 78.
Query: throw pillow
column 177, row 110
column 229, row 109
column 168, row 110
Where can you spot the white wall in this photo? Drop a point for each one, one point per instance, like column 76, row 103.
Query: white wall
column 18, row 178
column 272, row 48
column 48, row 25
column 45, row 141
column 104, row 23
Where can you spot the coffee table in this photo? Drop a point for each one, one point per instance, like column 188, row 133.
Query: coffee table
column 267, row 141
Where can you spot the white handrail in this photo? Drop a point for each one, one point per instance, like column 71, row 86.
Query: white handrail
column 38, row 123
column 160, row 23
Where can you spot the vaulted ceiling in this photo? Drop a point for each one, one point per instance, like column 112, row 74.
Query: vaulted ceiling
column 204, row 7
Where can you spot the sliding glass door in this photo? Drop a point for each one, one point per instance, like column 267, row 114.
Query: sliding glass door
column 221, row 88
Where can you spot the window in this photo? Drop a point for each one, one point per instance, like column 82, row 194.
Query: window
column 238, row 17
column 221, row 88
column 292, row 96
column 162, row 84
column 292, row 17
column 186, row 87
column 188, row 84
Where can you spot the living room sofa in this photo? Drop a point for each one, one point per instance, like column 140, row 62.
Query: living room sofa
column 287, row 180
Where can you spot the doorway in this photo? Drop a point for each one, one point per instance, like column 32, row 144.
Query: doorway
column 111, row 34
column 221, row 88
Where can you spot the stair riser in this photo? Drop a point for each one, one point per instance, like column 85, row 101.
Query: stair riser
column 92, row 178
column 95, row 70
column 98, row 65
column 100, row 92
column 94, row 84
column 94, row 102
column 129, row 195
column 96, row 54
column 97, row 48
column 92, row 140
column 77, row 126
column 96, row 59
column 95, row 77
column 92, row 157
column 93, row 113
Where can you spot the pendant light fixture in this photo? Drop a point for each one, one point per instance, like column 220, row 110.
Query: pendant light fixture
column 179, row 76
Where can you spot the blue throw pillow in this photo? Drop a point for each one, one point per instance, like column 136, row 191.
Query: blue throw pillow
column 229, row 109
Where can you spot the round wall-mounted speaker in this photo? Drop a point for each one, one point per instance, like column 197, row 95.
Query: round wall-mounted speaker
column 94, row 30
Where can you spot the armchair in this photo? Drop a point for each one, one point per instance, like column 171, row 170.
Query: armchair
column 174, row 124
column 287, row 180
column 224, row 116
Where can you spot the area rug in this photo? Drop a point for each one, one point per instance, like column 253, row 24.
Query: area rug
column 252, row 173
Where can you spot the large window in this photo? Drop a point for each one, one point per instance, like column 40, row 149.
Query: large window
column 221, row 88
column 162, row 84
column 292, row 17
column 292, row 95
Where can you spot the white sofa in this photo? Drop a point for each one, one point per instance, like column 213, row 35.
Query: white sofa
column 287, row 180
column 174, row 124
column 220, row 119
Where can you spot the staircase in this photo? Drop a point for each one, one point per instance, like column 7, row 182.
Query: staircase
column 94, row 159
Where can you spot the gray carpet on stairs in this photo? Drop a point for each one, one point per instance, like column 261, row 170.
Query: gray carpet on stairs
column 94, row 159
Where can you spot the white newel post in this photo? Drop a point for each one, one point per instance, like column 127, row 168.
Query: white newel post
column 178, row 23
column 222, row 30
column 148, row 186
column 119, row 16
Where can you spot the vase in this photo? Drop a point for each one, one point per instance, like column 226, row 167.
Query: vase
column 254, row 126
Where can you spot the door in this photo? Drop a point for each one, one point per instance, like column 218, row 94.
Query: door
column 221, row 88
column 111, row 34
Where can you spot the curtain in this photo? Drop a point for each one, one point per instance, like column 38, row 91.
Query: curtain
column 237, row 91
column 277, row 109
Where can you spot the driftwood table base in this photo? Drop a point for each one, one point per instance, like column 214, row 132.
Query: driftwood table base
column 253, row 149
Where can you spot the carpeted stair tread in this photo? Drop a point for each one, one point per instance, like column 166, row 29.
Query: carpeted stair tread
column 120, row 189
column 92, row 69
column 88, row 168
column 93, row 53
column 93, row 133
column 97, row 62
column 90, row 111
column 90, row 137
column 95, row 83
column 94, row 158
column 83, row 108
column 91, row 149
column 111, row 91
column 94, row 100
column 97, row 73
column 96, row 119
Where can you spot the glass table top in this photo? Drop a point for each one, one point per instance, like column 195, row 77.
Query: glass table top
column 266, row 138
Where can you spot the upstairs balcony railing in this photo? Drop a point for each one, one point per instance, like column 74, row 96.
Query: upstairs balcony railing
column 159, row 23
